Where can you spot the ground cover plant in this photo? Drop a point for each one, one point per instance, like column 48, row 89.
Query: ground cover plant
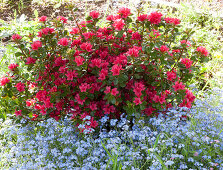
column 160, row 143
column 136, row 134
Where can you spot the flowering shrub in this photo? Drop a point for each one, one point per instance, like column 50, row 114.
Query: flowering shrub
column 136, row 67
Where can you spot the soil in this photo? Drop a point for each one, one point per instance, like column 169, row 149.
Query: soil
column 7, row 11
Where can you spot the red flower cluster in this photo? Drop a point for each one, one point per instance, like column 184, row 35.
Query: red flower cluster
column 185, row 42
column 171, row 75
column 142, row 17
column 116, row 69
column 119, row 24
column 63, row 42
column 187, row 62
column 92, row 71
column 155, row 17
column 189, row 98
column 30, row 60
column 4, row 81
column 13, row 66
column 43, row 19
column 164, row 48
column 203, row 51
column 174, row 21
column 86, row 47
column 124, row 12
column 45, row 31
column 16, row 37
column 61, row 18
column 94, row 14
column 36, row 45
column 18, row 112
column 178, row 86
column 20, row 87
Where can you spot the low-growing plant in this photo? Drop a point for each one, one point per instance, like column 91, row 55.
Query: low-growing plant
column 159, row 143
column 133, row 67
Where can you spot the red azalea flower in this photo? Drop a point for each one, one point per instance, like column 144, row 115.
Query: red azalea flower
column 94, row 14
column 84, row 86
column 42, row 18
column 118, row 24
column 63, row 42
column 71, row 74
column 34, row 116
column 20, row 87
column 18, row 112
column 203, row 51
column 114, row 92
column 79, row 101
column 187, row 62
column 93, row 106
column 88, row 35
column 61, row 18
column 86, row 46
column 136, row 36
column 30, row 102
column 79, row 60
column 155, row 17
column 164, row 48
column 174, row 21
column 13, row 66
column 137, row 101
column 94, row 123
column 178, row 86
column 30, row 60
column 75, row 31
column 124, row 12
column 148, row 111
column 4, row 81
column 16, row 37
column 108, row 90
column 142, row 17
column 185, row 42
column 116, row 69
column 134, row 51
column 171, row 75
column 36, row 45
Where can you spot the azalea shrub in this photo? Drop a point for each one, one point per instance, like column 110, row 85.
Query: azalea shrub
column 140, row 67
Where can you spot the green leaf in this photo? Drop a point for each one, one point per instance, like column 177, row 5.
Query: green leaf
column 109, row 154
column 90, row 26
column 120, row 34
column 137, row 115
column 88, row 18
column 115, row 81
column 18, row 54
column 129, row 20
column 113, row 100
column 26, row 75
column 71, row 18
column 142, row 107
column 156, row 142
column 161, row 161
column 53, row 99
column 75, row 9
column 36, row 13
column 57, row 6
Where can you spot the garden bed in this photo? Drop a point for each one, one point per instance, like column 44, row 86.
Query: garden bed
column 87, row 138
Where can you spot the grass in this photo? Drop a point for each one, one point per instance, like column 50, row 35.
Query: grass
column 160, row 143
